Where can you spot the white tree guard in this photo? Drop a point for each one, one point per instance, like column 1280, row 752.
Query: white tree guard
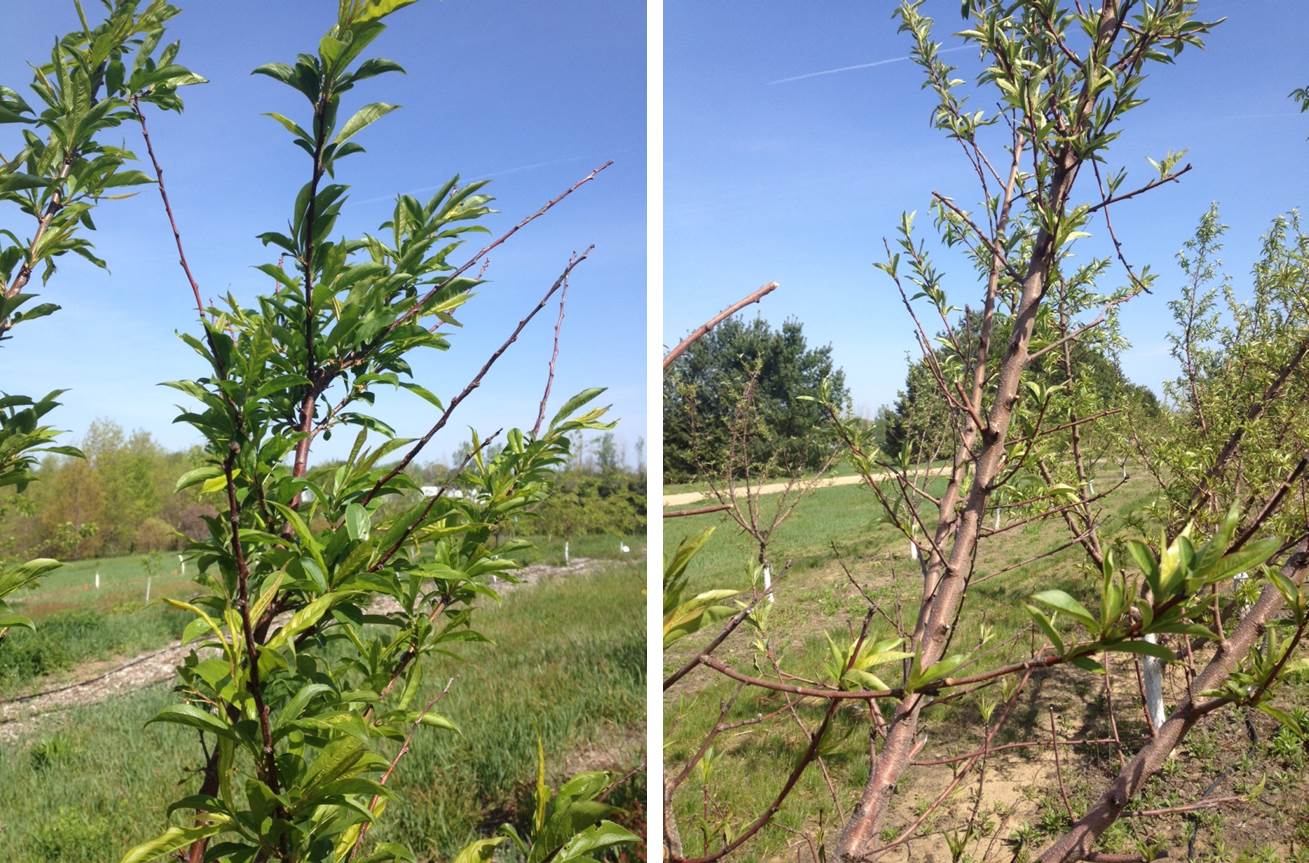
column 1238, row 581
column 768, row 583
column 566, row 559
column 1152, row 671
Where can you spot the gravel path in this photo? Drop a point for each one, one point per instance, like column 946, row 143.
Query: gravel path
column 100, row 681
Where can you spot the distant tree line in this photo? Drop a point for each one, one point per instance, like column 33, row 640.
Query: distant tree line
column 777, row 373
column 596, row 493
column 121, row 499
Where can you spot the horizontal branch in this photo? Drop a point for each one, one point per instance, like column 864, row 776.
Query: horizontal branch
column 1153, row 184
column 704, row 510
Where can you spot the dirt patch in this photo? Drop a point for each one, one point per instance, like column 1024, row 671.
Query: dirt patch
column 616, row 749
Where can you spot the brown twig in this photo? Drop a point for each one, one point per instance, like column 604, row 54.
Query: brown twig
column 491, row 246
column 404, row 747
column 168, row 207
column 704, row 510
column 473, row 384
column 717, row 319
column 554, row 357
column 1058, row 766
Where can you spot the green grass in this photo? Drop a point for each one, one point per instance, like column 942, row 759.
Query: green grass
column 68, row 639
column 601, row 546
column 848, row 515
column 815, row 599
column 841, row 468
column 122, row 584
column 567, row 664
column 77, row 623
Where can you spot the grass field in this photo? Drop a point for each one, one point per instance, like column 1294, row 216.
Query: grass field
column 122, row 583
column 567, row 664
column 814, row 598
column 123, row 579
column 79, row 624
column 602, row 546
column 841, row 468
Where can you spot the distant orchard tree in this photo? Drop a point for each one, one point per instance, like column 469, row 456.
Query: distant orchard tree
column 607, row 457
column 703, row 390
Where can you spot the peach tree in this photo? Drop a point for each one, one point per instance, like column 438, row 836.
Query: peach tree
column 327, row 592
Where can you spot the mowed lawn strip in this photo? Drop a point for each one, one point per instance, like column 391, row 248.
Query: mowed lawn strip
column 567, row 663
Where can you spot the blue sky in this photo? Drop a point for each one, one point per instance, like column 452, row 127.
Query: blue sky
column 533, row 95
column 799, row 181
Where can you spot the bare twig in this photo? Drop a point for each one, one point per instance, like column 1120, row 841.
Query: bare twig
column 473, row 384
column 554, row 357
column 717, row 319
column 168, row 207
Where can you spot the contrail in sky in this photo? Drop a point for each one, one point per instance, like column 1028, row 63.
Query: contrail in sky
column 857, row 66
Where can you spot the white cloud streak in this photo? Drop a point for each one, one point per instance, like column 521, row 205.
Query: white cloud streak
column 839, row 69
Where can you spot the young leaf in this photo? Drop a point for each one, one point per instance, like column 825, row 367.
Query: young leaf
column 1061, row 601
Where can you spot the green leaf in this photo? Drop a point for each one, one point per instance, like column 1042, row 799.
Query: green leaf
column 604, row 835
column 1145, row 560
column 1282, row 717
column 1046, row 626
column 200, row 474
column 290, row 125
column 10, row 618
column 375, row 10
column 307, row 538
column 937, row 670
column 189, row 714
column 1254, row 554
column 481, row 851
column 176, row 838
column 362, row 119
column 303, row 619
column 571, row 406
column 334, row 762
column 1144, row 648
column 1086, row 663
column 1057, row 599
column 218, row 483
column 358, row 522
column 436, row 720
column 1182, row 628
